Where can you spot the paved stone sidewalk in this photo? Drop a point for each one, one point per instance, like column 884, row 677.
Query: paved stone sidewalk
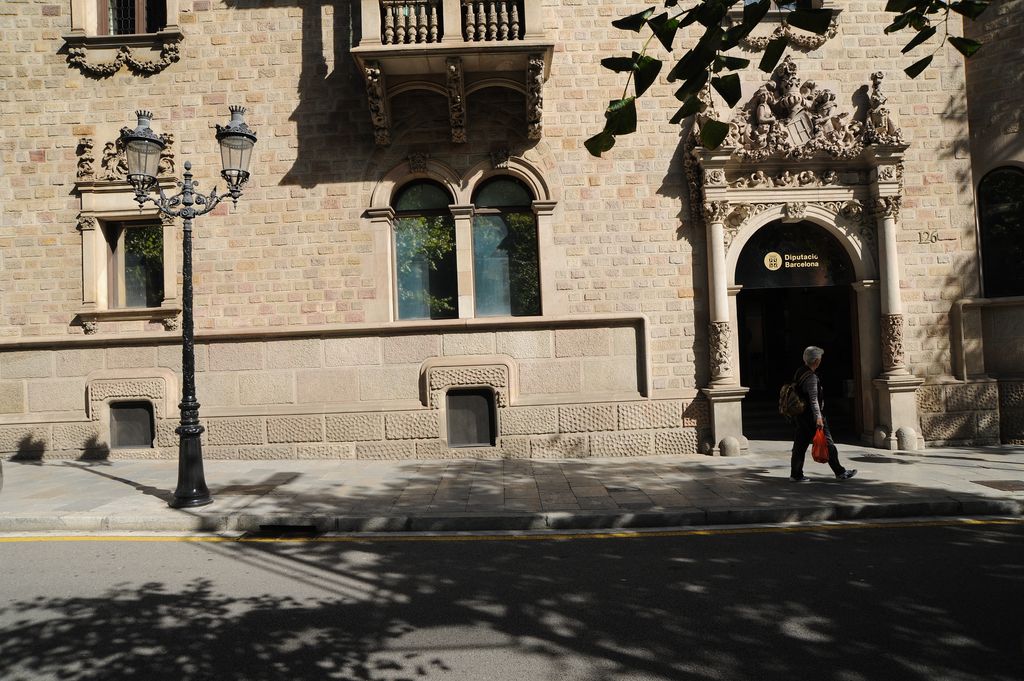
column 481, row 495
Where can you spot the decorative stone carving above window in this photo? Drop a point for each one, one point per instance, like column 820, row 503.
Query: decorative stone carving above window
column 107, row 203
column 797, row 38
column 99, row 55
column 792, row 119
column 417, row 45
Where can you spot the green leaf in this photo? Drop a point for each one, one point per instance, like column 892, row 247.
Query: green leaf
column 772, row 54
column 730, row 63
column 700, row 57
column 619, row 64
column 634, row 22
column 691, row 106
column 692, row 86
column 900, row 6
column 965, row 46
column 621, row 116
column 665, row 29
column 729, row 87
column 647, row 70
column 919, row 38
column 755, row 11
column 813, row 20
column 915, row 69
column 600, row 143
column 712, row 133
column 971, row 9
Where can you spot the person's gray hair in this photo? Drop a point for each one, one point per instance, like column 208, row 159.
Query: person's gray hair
column 812, row 354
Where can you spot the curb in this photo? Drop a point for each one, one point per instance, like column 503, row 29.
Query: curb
column 502, row 522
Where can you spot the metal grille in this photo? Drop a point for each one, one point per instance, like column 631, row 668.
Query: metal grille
column 121, row 15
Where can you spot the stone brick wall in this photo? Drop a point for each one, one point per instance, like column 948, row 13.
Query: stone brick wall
column 353, row 396
column 960, row 413
column 297, row 252
column 995, row 87
column 1011, row 412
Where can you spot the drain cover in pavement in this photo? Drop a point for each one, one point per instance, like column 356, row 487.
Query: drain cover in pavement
column 1002, row 485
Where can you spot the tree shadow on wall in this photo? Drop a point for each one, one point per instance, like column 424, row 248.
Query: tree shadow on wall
column 669, row 608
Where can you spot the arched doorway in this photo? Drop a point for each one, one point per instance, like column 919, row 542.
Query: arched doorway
column 796, row 291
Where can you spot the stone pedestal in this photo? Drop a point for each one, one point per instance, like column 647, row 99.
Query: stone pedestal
column 897, row 413
column 726, row 420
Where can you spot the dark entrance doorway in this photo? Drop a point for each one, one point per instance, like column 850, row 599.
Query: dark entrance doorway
column 796, row 292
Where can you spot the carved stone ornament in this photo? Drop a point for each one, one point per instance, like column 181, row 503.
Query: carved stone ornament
column 166, row 165
column 86, row 223
column 795, row 210
column 803, row 178
column 879, row 126
column 888, row 207
column 714, row 178
column 378, row 103
column 790, row 118
column 171, row 323
column 456, row 99
column 716, row 211
column 892, row 342
column 418, row 162
column 719, row 347
column 800, row 40
column 535, row 97
column 90, row 327
column 86, row 159
column 78, row 56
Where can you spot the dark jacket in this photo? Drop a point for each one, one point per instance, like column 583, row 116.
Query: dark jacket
column 809, row 385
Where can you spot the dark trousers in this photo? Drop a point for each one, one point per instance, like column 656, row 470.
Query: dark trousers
column 805, row 428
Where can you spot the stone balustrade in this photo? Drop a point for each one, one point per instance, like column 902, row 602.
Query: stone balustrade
column 406, row 22
column 491, row 20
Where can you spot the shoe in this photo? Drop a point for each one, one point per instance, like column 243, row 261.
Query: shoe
column 847, row 474
column 802, row 478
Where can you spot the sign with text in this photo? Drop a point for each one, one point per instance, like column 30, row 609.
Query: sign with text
column 784, row 255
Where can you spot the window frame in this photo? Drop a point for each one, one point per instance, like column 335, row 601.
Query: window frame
column 987, row 270
column 399, row 215
column 502, row 211
column 114, row 233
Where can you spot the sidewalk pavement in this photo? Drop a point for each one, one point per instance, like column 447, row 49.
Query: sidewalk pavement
column 512, row 494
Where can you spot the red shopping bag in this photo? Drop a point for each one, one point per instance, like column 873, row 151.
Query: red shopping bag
column 819, row 446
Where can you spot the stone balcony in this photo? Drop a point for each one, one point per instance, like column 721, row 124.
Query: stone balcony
column 452, row 48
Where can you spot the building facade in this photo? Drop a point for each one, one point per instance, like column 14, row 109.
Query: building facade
column 427, row 263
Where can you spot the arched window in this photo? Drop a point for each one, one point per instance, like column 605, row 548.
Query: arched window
column 1001, row 222
column 506, row 271
column 425, row 252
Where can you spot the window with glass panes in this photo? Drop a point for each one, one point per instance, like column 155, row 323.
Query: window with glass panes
column 135, row 269
column 506, row 271
column 1001, row 222
column 425, row 264
column 129, row 17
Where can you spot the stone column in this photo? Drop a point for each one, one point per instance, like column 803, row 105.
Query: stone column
column 887, row 210
column 719, row 332
column 464, row 259
column 384, row 308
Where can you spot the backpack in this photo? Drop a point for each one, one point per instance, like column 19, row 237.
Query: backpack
column 791, row 404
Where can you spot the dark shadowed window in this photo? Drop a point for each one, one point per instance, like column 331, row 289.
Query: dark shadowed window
column 129, row 17
column 425, row 252
column 506, row 270
column 1001, row 222
column 471, row 418
column 131, row 424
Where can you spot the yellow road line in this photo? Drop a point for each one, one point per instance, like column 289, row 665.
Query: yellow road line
column 535, row 536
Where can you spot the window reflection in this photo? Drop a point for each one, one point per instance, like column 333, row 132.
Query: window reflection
column 506, row 271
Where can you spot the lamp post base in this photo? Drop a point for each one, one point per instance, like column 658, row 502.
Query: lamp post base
column 191, row 490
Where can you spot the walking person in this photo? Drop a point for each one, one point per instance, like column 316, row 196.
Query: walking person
column 809, row 386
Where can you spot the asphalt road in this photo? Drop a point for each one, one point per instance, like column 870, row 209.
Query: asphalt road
column 901, row 603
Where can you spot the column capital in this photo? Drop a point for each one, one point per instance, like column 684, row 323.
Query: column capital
column 716, row 211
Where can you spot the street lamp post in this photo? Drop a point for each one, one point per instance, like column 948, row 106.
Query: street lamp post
column 142, row 152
